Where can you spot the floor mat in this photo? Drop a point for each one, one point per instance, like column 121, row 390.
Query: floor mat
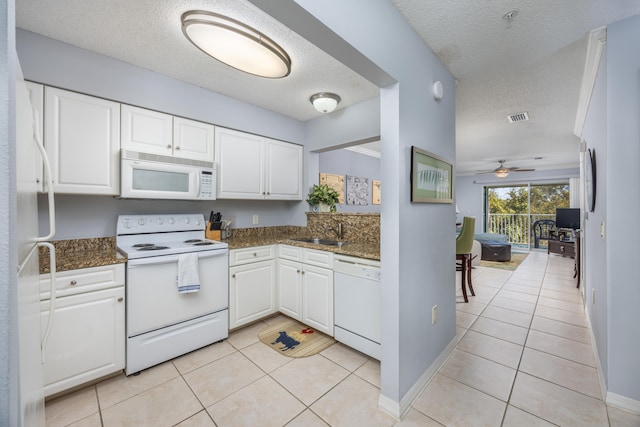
column 293, row 339
column 516, row 259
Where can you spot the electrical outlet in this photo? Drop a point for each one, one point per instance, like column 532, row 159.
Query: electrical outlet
column 593, row 296
column 434, row 315
column 602, row 230
column 255, row 220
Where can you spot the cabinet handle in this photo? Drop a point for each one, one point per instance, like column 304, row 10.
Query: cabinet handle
column 303, row 272
column 120, row 299
column 168, row 145
column 73, row 283
column 297, row 271
column 233, row 275
column 255, row 254
column 178, row 147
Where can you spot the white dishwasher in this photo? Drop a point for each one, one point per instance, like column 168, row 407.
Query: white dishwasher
column 356, row 283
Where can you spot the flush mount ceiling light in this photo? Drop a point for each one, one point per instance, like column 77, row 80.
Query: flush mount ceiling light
column 502, row 174
column 325, row 102
column 235, row 44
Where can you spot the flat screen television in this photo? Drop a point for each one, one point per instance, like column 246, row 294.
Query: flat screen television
column 568, row 218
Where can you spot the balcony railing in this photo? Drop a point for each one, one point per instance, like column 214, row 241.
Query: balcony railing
column 518, row 227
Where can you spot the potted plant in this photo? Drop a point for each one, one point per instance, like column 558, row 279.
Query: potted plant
column 324, row 197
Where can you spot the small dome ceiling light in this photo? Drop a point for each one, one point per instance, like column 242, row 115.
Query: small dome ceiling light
column 325, row 102
column 235, row 44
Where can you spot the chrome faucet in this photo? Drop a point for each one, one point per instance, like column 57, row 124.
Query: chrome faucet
column 338, row 231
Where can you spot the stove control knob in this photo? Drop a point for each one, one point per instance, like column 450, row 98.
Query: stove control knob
column 127, row 224
column 159, row 221
column 187, row 220
column 141, row 221
column 170, row 220
column 197, row 222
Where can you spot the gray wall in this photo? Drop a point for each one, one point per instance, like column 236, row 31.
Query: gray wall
column 623, row 200
column 417, row 239
column 8, row 242
column 469, row 190
column 345, row 162
column 595, row 253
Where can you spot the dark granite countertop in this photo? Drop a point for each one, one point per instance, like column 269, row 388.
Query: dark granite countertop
column 94, row 252
column 369, row 250
column 81, row 253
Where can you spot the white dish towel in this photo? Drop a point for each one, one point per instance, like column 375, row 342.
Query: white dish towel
column 188, row 279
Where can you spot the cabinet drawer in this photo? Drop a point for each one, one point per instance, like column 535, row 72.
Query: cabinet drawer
column 319, row 258
column 292, row 253
column 83, row 280
column 253, row 254
column 563, row 248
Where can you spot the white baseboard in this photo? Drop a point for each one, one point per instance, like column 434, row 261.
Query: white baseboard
column 612, row 399
column 399, row 409
column 596, row 356
column 624, row 403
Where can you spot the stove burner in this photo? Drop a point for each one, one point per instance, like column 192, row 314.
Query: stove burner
column 192, row 241
column 152, row 248
column 142, row 245
column 203, row 244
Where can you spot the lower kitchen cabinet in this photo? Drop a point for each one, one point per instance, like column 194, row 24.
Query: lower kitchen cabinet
column 305, row 286
column 252, row 284
column 87, row 335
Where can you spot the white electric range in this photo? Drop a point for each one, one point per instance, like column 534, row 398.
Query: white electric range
column 161, row 322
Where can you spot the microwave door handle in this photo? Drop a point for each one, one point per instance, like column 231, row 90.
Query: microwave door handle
column 198, row 189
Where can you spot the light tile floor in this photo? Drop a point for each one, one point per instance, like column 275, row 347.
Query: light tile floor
column 523, row 358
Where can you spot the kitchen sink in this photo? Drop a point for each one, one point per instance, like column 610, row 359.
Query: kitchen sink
column 327, row 242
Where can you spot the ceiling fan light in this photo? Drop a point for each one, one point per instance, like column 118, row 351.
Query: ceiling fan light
column 502, row 174
column 235, row 44
column 325, row 102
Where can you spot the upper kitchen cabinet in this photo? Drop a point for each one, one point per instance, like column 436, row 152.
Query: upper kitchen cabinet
column 152, row 132
column 82, row 138
column 254, row 167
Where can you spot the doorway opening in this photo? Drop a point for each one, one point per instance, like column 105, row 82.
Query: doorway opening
column 512, row 210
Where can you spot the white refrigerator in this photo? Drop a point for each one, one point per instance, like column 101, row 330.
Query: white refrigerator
column 29, row 402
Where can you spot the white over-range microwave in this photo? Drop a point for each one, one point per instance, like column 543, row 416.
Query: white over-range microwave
column 151, row 176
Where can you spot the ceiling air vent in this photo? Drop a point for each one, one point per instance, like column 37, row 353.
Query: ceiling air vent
column 518, row 117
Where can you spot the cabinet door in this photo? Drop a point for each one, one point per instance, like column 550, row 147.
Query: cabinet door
column 192, row 140
column 240, row 159
column 283, row 170
column 36, row 96
column 317, row 292
column 87, row 338
column 146, row 131
column 82, row 140
column 290, row 288
column 252, row 292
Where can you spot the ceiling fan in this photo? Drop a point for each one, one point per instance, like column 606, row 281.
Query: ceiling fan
column 502, row 171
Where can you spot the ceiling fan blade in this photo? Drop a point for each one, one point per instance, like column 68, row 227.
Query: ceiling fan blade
column 484, row 172
column 520, row 170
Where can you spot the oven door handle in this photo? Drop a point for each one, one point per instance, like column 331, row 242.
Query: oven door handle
column 164, row 259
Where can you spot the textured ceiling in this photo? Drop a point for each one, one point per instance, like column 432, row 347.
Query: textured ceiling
column 148, row 33
column 534, row 64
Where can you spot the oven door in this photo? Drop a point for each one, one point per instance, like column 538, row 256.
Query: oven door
column 153, row 301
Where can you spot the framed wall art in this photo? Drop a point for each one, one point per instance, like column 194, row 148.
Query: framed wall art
column 431, row 178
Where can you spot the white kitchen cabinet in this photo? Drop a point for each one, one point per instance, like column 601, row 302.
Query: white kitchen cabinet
column 254, row 167
column 82, row 138
column 305, row 286
column 283, row 170
column 192, row 139
column 36, row 96
column 148, row 131
column 87, row 337
column 252, row 284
